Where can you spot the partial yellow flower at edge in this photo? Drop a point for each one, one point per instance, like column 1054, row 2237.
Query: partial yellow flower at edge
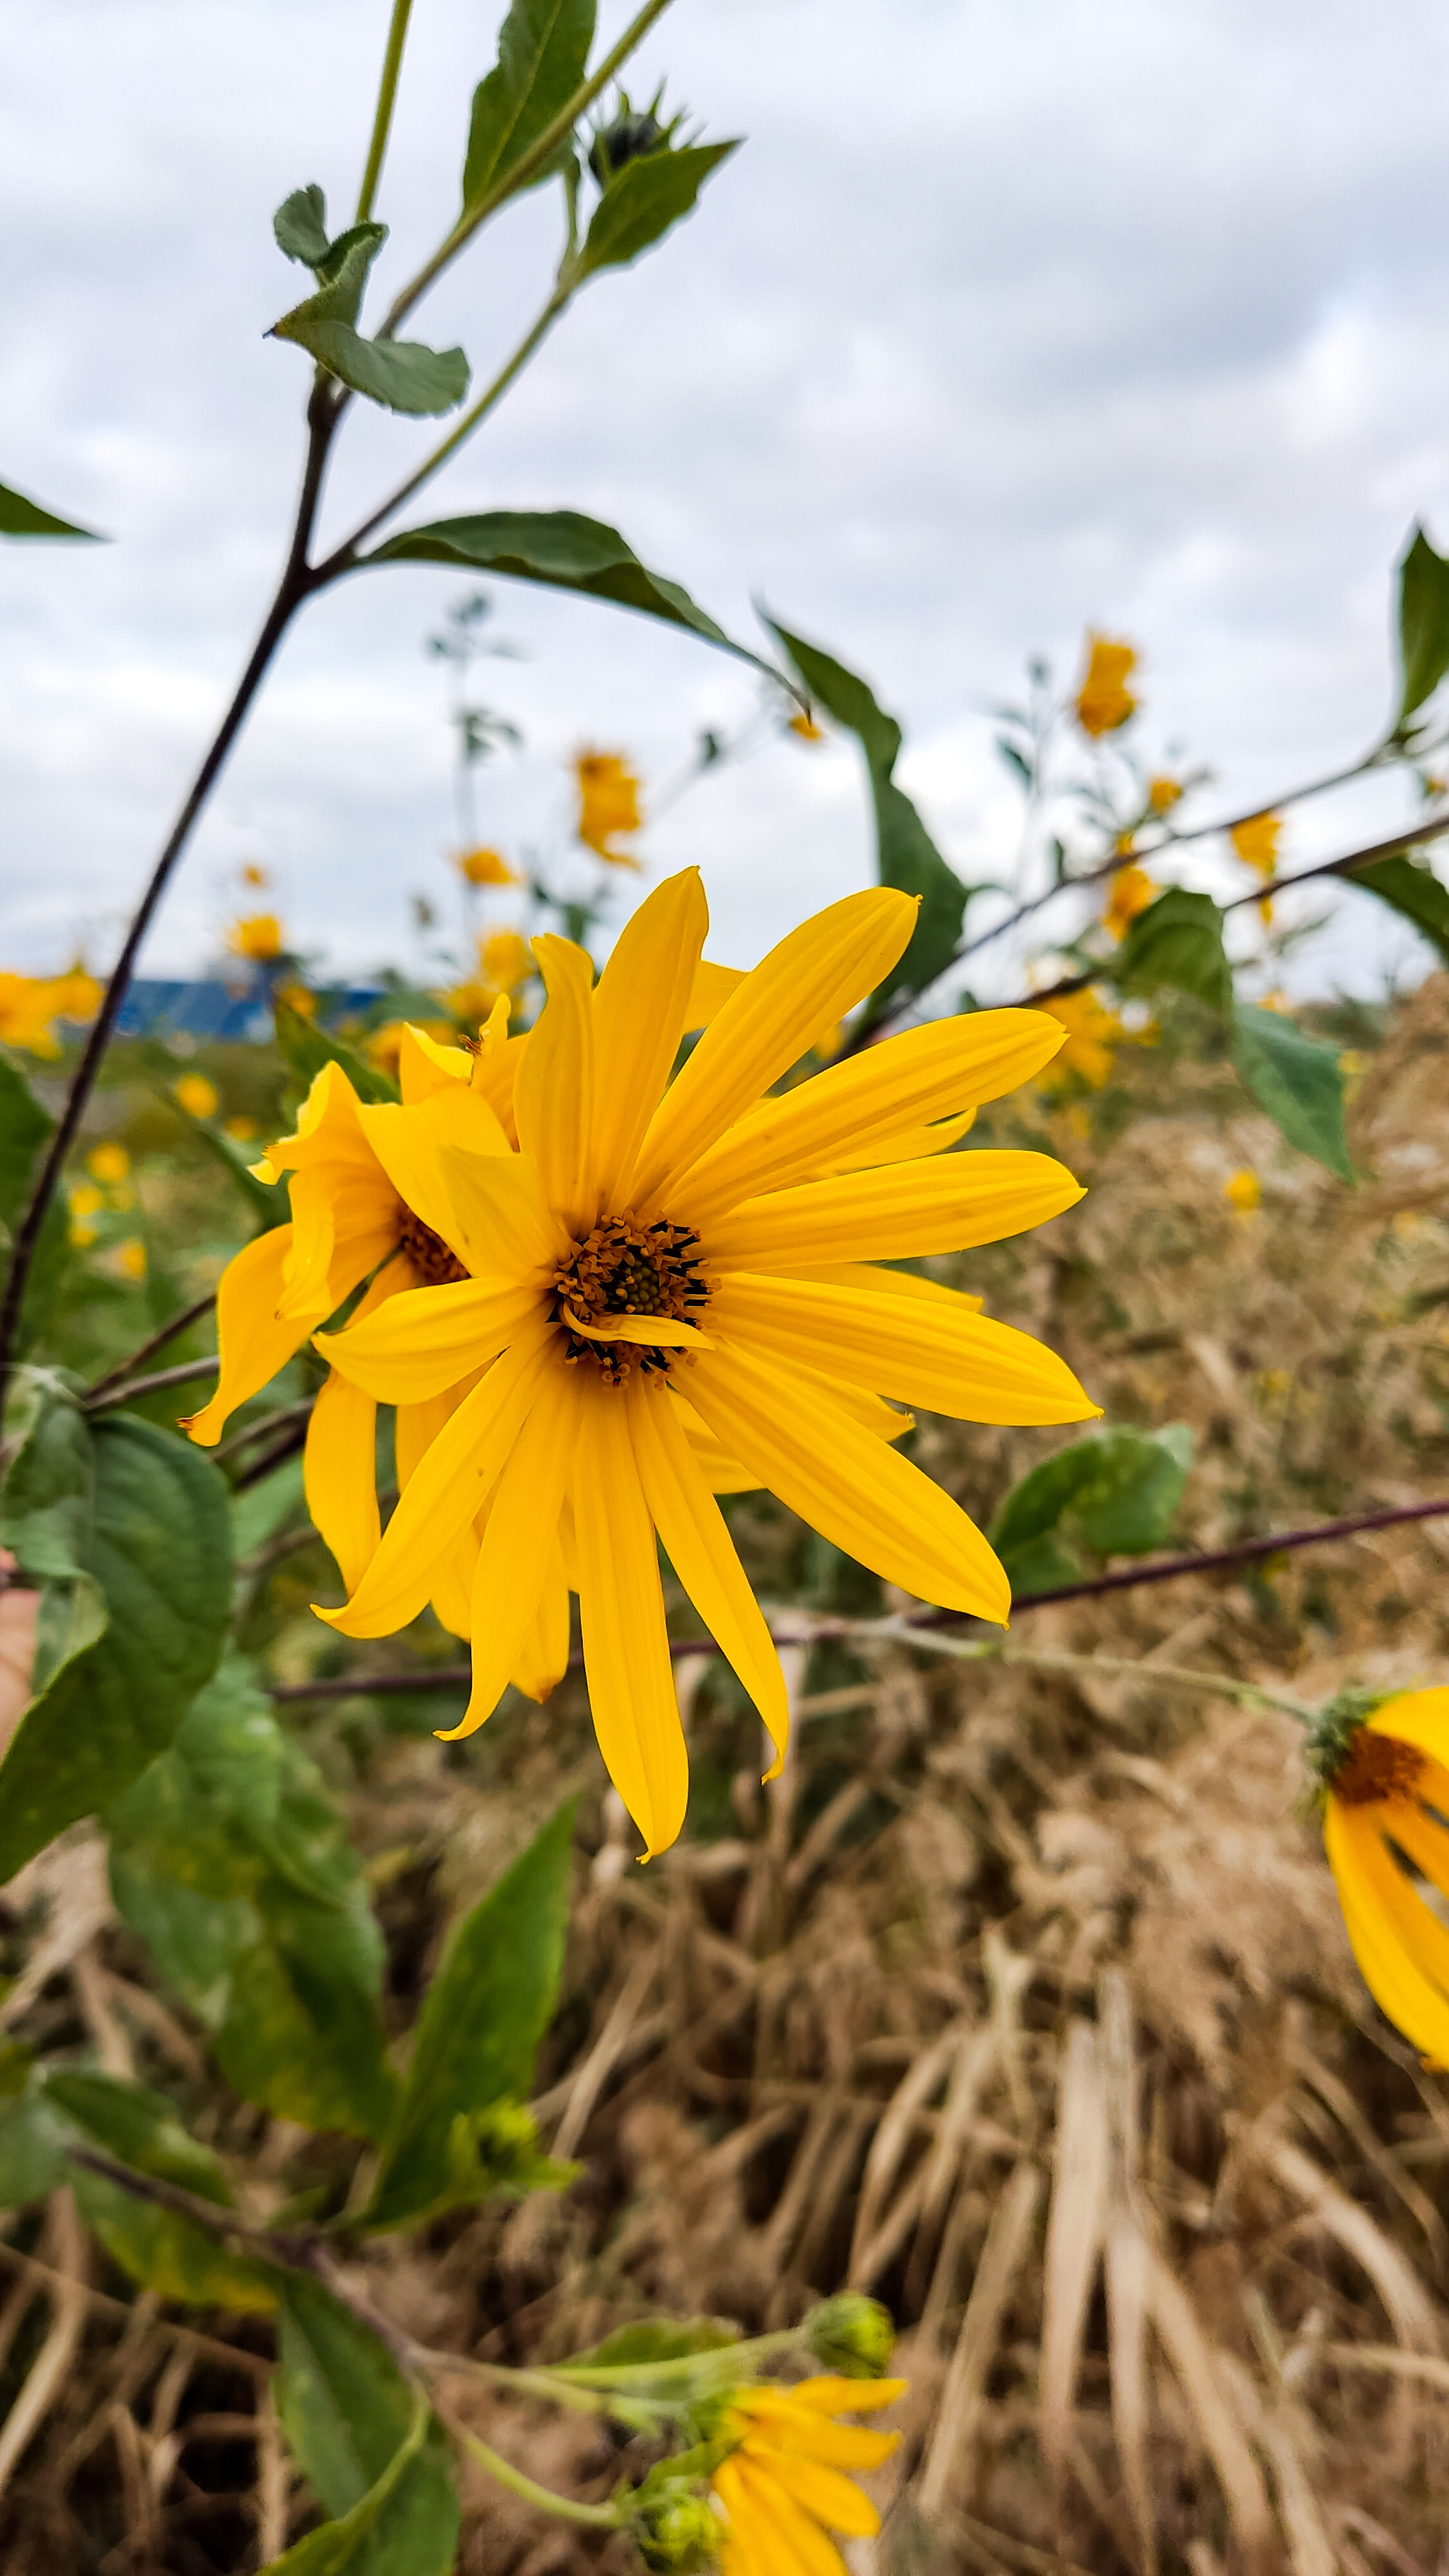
column 1163, row 793
column 692, row 1236
column 1104, row 702
column 783, row 2487
column 1132, row 892
column 608, row 804
column 198, row 1097
column 1385, row 1796
column 1243, row 1191
column 486, row 868
column 108, row 1162
column 1256, row 842
column 1093, row 1036
column 257, row 935
column 30, row 1006
column 507, row 960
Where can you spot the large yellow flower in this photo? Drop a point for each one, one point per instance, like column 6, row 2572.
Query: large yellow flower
column 666, row 1255
column 1385, row 1801
column 784, row 2489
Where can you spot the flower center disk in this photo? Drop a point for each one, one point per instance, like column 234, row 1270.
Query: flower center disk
column 625, row 1269
column 435, row 1265
column 1378, row 1767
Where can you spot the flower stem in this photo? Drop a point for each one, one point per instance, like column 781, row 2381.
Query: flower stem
column 386, row 96
column 986, row 1650
column 596, row 2517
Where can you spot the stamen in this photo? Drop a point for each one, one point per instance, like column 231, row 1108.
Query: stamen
column 1377, row 1768
column 624, row 1269
column 435, row 1265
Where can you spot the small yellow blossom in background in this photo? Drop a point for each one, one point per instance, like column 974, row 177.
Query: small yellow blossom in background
column 1274, row 1384
column 298, row 999
column 198, row 1097
column 384, row 1047
column 1408, row 1223
column 241, row 1129
column 1244, row 1191
column 608, row 804
column 253, row 875
column 486, row 868
column 1256, row 842
column 1104, row 702
column 783, row 2489
column 76, row 996
column 805, row 727
column 1353, row 1068
column 109, row 1163
column 1093, row 1036
column 507, row 960
column 130, row 1258
column 83, row 1202
column 1132, row 892
column 257, row 935
column 1386, row 1789
column 1163, row 793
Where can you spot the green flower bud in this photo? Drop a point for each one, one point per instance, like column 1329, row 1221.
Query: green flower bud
column 630, row 137
column 1335, row 1727
column 852, row 2334
column 676, row 2528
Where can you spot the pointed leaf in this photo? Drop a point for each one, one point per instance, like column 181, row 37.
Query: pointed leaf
column 402, row 375
column 1298, row 1080
column 1410, row 887
column 300, row 225
column 22, row 518
column 543, row 51
column 1177, row 941
column 344, row 270
column 24, row 1126
column 1423, row 624
column 1115, row 1492
column 364, row 2441
column 644, row 200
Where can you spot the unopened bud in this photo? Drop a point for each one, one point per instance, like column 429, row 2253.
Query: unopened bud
column 677, row 2529
column 630, row 137
column 852, row 2334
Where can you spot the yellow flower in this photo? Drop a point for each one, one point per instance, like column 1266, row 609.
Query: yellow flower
column 1163, row 794
column 806, row 728
column 198, row 1097
column 608, row 804
column 1104, row 702
column 241, row 1129
column 1132, row 892
column 130, row 1258
column 30, row 1005
column 84, row 1199
column 1093, row 1036
column 666, row 1253
column 298, row 999
column 109, row 1163
column 257, row 935
column 507, row 961
column 1256, row 842
column 1244, row 1191
column 76, row 996
column 486, row 868
column 782, row 2489
column 1386, row 1793
column 253, row 875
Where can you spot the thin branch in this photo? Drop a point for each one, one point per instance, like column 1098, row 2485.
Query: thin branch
column 157, row 1341
column 597, row 2517
column 284, row 1420
column 386, row 98
column 260, row 1468
column 132, row 1389
column 1107, row 1667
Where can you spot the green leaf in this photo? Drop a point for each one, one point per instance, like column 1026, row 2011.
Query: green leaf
column 658, row 2339
column 307, row 1048
column 1423, row 624
column 1115, row 1493
column 343, row 270
column 1298, row 1080
column 1410, row 887
column 22, row 518
column 563, row 551
column 24, row 1126
column 644, row 200
column 479, row 2029
column 139, row 2127
column 169, row 2253
column 300, row 225
column 1177, row 941
column 906, row 854
column 402, row 375
column 48, row 1499
column 543, row 51
column 228, row 1860
column 33, row 2142
column 269, row 1201
column 365, row 2444
column 140, row 1627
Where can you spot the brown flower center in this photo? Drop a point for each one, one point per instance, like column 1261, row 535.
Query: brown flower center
column 435, row 1265
column 625, row 1269
column 1376, row 1768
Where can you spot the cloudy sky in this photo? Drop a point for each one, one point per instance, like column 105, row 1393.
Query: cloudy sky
column 1012, row 316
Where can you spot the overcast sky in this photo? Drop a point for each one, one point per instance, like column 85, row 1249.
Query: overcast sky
column 1012, row 316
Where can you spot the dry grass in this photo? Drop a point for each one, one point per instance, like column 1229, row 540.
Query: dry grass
column 1021, row 2001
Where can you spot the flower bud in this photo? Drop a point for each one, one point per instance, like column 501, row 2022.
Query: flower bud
column 852, row 2334
column 629, row 138
column 676, row 2528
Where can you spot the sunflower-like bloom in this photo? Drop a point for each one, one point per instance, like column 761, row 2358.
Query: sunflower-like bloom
column 30, row 1005
column 1132, row 892
column 1104, row 701
column 1386, row 1796
column 257, row 935
column 1093, row 1035
column 1256, row 842
column 608, row 804
column 673, row 1258
column 486, row 868
column 783, row 2489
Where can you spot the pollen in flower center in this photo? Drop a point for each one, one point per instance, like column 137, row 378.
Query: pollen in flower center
column 434, row 1263
column 625, row 1269
column 1377, row 1767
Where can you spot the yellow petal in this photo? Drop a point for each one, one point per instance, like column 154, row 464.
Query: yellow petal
column 1420, row 1718
column 709, row 992
column 856, row 1490
column 452, row 1593
column 502, row 1208
column 418, row 1425
column 410, row 1145
column 804, row 2434
column 722, row 1474
column 1375, row 1898
column 827, row 2393
column 520, row 1542
column 903, row 1283
column 699, row 1547
column 621, row 1609
column 640, row 1015
column 1425, row 1840
column 798, row 992
column 916, row 1349
column 345, row 1220
column 921, row 1077
column 655, row 1332
column 495, row 1075
column 759, row 2544
column 544, row 1658
column 1421, row 1929
column 424, row 1066
column 340, row 1478
column 554, row 1098
column 894, row 1214
column 772, row 2508
column 823, row 2493
column 449, row 1485
column 424, row 1339
column 252, row 1342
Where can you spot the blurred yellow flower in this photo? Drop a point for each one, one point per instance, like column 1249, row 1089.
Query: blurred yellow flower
column 486, row 868
column 1256, row 842
column 1244, row 1191
column 198, row 1097
column 1132, row 892
column 257, row 935
column 252, row 875
column 109, row 1163
column 298, row 999
column 1162, row 794
column 384, row 1047
column 1093, row 1036
column 507, row 961
column 241, row 1129
column 84, row 1199
column 608, row 804
column 782, row 2489
column 130, row 1258
column 806, row 728
column 30, row 1005
column 76, row 996
column 1104, row 702
column 1386, row 1793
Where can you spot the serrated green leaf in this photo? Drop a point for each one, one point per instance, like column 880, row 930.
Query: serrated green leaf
column 543, row 50
column 157, row 1552
column 20, row 517
column 906, row 855
column 307, row 1048
column 364, row 2442
column 300, row 225
column 644, row 200
column 1177, row 941
column 1115, row 1493
column 24, row 1126
column 1410, row 887
column 401, row 375
column 1423, row 624
column 481, row 2022
column 1298, row 1080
